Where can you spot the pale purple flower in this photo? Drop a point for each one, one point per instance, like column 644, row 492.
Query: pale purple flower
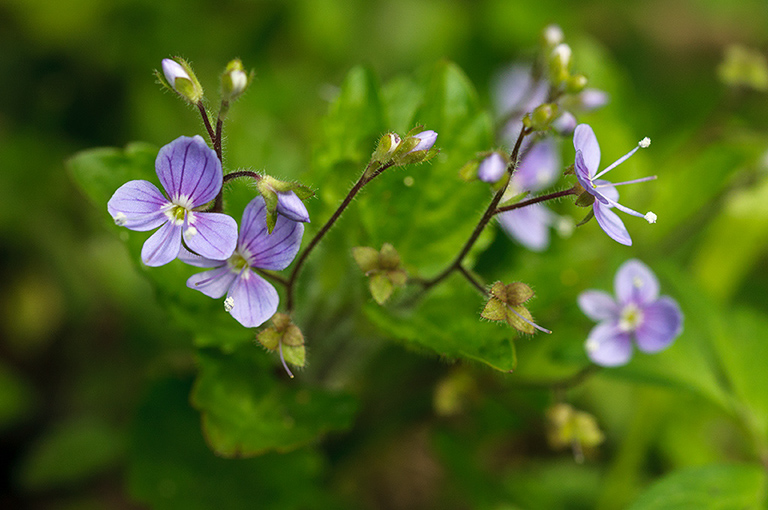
column 538, row 169
column 191, row 175
column 250, row 298
column 492, row 168
column 291, row 206
column 637, row 313
column 173, row 70
column 604, row 192
column 426, row 140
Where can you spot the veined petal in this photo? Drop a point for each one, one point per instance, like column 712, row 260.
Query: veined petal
column 584, row 140
column 189, row 171
column 211, row 235
column 196, row 260
column 252, row 300
column 635, row 282
column 598, row 305
column 540, row 166
column 162, row 246
column 608, row 346
column 138, row 205
column 529, row 226
column 214, row 283
column 611, row 224
column 662, row 323
column 292, row 207
column 273, row 251
column 583, row 174
column 607, row 190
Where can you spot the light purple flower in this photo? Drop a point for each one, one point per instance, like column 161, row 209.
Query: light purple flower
column 492, row 168
column 604, row 192
column 426, row 140
column 250, row 298
column 173, row 70
column 291, row 206
column 538, row 169
column 191, row 175
column 637, row 313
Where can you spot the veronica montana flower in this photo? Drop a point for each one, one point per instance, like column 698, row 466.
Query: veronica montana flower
column 604, row 192
column 637, row 313
column 191, row 175
column 250, row 298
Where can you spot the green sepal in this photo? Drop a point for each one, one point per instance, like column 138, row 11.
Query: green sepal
column 270, row 202
column 495, row 310
column 585, row 199
column 389, row 258
column 293, row 336
column 516, row 322
column 269, row 338
column 518, row 293
column 499, row 291
column 588, row 217
column 388, row 145
column 398, row 277
column 303, row 192
column 381, row 288
column 281, row 321
column 295, row 355
column 367, row 258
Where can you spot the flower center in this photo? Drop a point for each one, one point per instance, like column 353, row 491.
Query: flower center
column 237, row 262
column 176, row 214
column 631, row 318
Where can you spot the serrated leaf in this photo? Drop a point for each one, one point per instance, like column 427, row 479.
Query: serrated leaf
column 381, row 288
column 720, row 487
column 246, row 412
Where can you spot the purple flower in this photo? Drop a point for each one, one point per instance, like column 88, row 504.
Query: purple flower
column 250, row 298
column 191, row 175
column 426, row 141
column 637, row 313
column 291, row 206
column 492, row 168
column 538, row 169
column 604, row 192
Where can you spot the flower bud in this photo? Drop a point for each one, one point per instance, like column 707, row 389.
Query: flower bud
column 560, row 63
column 492, row 168
column 552, row 35
column 426, row 141
column 179, row 77
column 416, row 148
column 234, row 81
column 576, row 83
column 388, row 145
column 541, row 117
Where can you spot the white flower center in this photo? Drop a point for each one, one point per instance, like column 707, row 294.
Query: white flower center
column 631, row 316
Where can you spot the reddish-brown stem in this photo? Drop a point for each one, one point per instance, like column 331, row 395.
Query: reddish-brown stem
column 536, row 200
column 242, row 173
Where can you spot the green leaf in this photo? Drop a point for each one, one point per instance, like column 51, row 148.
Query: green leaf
column 716, row 487
column 381, row 288
column 71, row 453
column 447, row 322
column 246, row 412
column 171, row 467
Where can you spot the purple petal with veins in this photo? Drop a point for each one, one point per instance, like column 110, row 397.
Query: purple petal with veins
column 162, row 246
column 138, row 205
column 598, row 305
column 252, row 300
column 584, row 140
column 662, row 323
column 611, row 224
column 292, row 207
column 214, row 283
column 273, row 251
column 189, row 171
column 211, row 235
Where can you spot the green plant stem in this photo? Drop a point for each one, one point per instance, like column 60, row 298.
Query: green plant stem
column 487, row 215
column 364, row 179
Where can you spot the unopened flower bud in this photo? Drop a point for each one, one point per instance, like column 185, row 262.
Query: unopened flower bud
column 492, row 168
column 180, row 78
column 560, row 63
column 416, row 148
column 426, row 141
column 576, row 83
column 388, row 145
column 542, row 116
column 552, row 35
column 234, row 81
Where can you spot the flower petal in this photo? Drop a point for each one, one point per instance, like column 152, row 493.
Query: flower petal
column 635, row 282
column 611, row 224
column 214, row 283
column 189, row 171
column 584, row 140
column 138, row 205
column 514, row 90
column 492, row 168
column 162, row 246
column 196, row 260
column 211, row 235
column 608, row 346
column 662, row 323
column 273, row 251
column 592, row 99
column 582, row 174
column 598, row 305
column 607, row 190
column 539, row 167
column 252, row 300
column 529, row 226
column 292, row 207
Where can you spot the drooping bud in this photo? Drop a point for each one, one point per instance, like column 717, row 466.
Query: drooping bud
column 569, row 428
column 285, row 198
column 286, row 338
column 541, row 117
column 234, row 81
column 178, row 76
column 384, row 269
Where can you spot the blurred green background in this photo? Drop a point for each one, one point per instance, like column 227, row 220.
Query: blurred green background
column 95, row 381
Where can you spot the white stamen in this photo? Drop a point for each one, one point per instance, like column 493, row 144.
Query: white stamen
column 229, row 303
column 637, row 282
column 191, row 231
column 120, row 219
column 644, row 143
column 650, row 217
column 592, row 344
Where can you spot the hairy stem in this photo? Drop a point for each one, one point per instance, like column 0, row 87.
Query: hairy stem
column 536, row 200
column 364, row 179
